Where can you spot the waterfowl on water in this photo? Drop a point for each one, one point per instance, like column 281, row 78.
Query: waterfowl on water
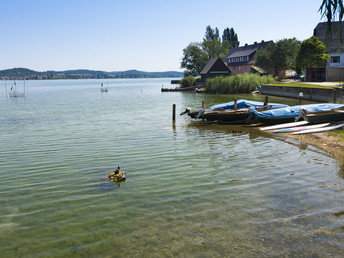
column 117, row 175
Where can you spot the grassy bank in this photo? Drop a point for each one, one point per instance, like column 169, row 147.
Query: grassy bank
column 240, row 83
column 304, row 85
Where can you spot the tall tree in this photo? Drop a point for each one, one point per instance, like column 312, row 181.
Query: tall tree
column 279, row 56
column 312, row 53
column 212, row 44
column 194, row 59
column 230, row 36
column 196, row 55
column 211, row 34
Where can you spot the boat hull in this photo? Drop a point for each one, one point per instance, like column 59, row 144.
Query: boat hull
column 324, row 117
column 226, row 116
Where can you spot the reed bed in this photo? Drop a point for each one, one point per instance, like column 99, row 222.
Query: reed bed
column 239, row 83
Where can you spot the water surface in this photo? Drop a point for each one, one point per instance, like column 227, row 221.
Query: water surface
column 191, row 190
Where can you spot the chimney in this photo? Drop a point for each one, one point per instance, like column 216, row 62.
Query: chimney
column 262, row 41
column 255, row 42
column 246, row 45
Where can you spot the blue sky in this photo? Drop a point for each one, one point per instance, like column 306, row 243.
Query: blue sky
column 117, row 35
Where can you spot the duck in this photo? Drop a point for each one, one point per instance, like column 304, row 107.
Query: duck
column 117, row 175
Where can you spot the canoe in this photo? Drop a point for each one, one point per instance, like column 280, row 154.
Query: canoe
column 319, row 130
column 289, row 114
column 300, row 128
column 286, row 125
column 327, row 116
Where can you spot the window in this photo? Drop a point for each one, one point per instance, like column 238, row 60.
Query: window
column 239, row 68
column 335, row 59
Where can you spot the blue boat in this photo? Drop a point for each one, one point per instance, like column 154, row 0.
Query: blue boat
column 243, row 103
column 289, row 114
column 227, row 113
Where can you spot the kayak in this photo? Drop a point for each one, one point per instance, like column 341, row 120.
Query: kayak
column 300, row 128
column 319, row 130
column 286, row 125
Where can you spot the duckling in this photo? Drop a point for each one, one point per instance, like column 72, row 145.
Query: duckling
column 117, row 175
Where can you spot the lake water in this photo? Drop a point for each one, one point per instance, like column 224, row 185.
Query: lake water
column 191, row 190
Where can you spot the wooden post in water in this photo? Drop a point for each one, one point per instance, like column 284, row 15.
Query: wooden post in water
column 203, row 104
column 174, row 113
column 266, row 101
column 235, row 104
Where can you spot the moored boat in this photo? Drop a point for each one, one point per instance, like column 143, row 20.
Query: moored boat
column 319, row 130
column 282, row 126
column 290, row 114
column 326, row 116
column 300, row 128
column 233, row 111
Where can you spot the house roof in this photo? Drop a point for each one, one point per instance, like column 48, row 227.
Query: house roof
column 334, row 43
column 246, row 50
column 215, row 64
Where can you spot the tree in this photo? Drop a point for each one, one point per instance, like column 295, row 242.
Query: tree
column 230, row 36
column 194, row 59
column 196, row 55
column 330, row 9
column 279, row 56
column 212, row 44
column 211, row 34
column 311, row 54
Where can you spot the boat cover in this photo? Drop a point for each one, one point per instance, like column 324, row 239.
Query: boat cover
column 242, row 103
column 295, row 111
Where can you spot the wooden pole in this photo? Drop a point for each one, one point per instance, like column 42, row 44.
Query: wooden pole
column 174, row 112
column 235, row 104
column 334, row 95
column 266, row 101
column 300, row 98
column 203, row 104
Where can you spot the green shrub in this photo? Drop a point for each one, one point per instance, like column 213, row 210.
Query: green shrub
column 239, row 83
column 187, row 81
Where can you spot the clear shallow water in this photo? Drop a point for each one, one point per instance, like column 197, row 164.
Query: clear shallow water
column 191, row 189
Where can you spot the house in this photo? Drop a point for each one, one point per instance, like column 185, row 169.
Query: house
column 215, row 67
column 334, row 70
column 241, row 59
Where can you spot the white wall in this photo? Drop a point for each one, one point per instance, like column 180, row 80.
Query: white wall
column 340, row 64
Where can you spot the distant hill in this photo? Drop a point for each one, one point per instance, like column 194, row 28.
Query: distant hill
column 83, row 74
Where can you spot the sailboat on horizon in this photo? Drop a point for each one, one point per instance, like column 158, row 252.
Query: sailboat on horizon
column 13, row 92
column 103, row 89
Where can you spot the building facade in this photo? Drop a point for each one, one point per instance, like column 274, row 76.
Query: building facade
column 241, row 59
column 215, row 67
column 334, row 70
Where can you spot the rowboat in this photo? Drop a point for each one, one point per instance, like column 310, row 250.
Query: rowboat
column 327, row 116
column 233, row 111
column 231, row 115
column 319, row 130
column 300, row 128
column 289, row 114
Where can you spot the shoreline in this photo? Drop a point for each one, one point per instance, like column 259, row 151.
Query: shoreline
column 331, row 142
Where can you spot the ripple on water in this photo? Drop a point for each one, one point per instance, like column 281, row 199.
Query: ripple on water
column 190, row 190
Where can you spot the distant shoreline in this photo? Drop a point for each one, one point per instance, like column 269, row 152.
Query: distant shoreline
column 27, row 74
